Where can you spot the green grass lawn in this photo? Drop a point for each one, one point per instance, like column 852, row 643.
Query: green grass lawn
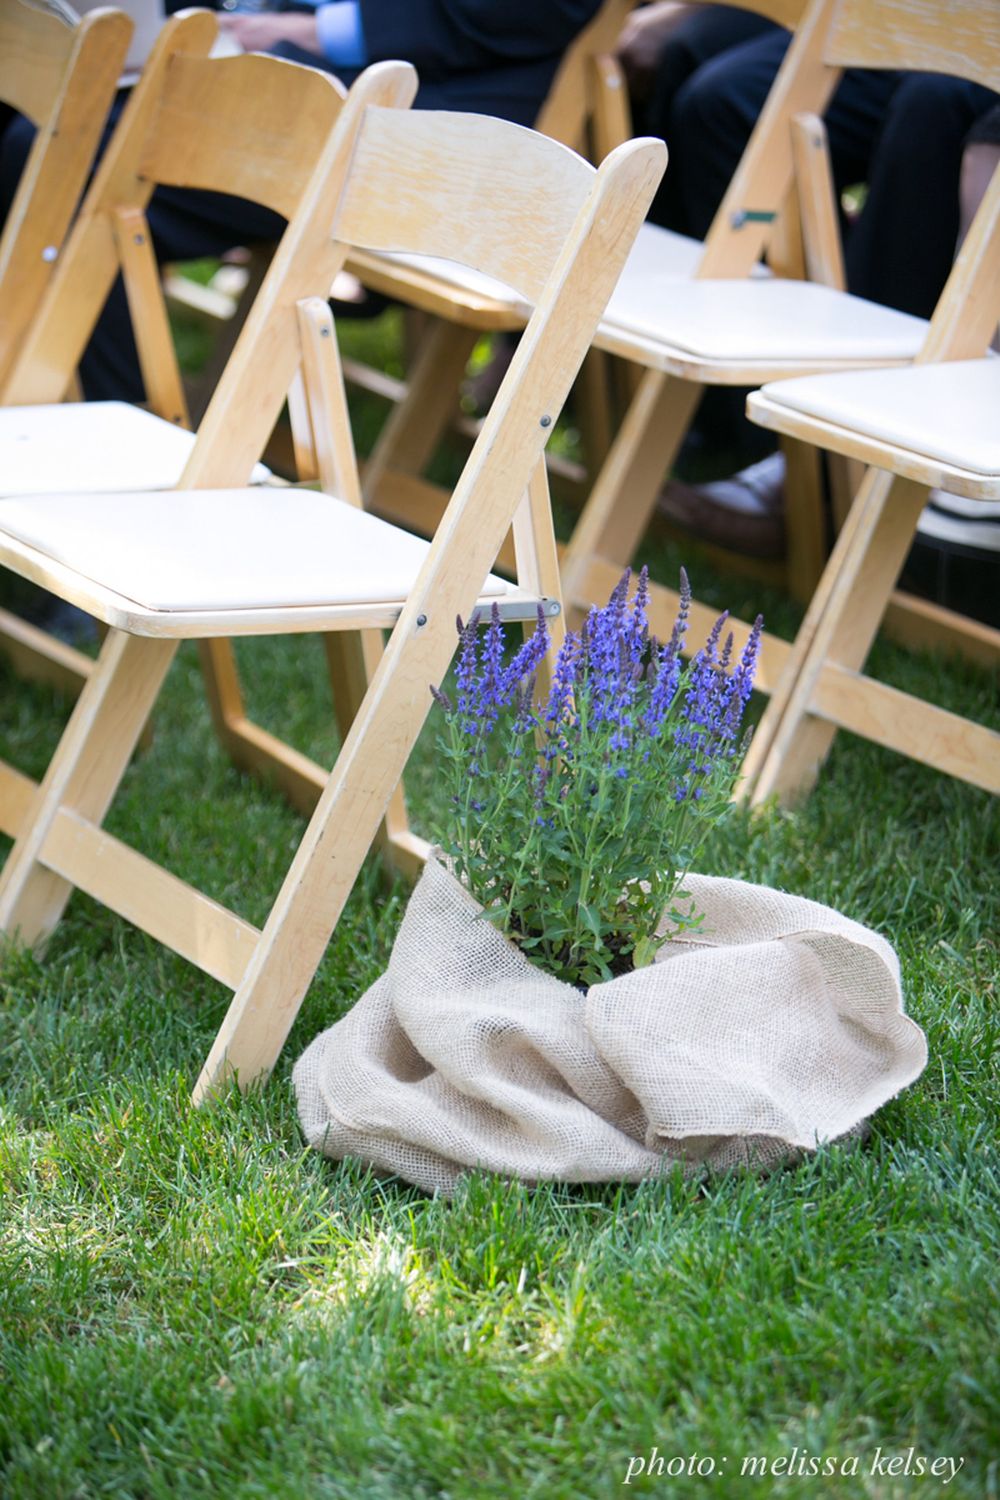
column 193, row 1305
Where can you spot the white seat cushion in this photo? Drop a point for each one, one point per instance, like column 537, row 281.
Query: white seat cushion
column 91, row 446
column 961, row 522
column 657, row 253
column 463, row 279
column 762, row 319
column 661, row 252
column 207, row 550
column 947, row 412
column 659, row 256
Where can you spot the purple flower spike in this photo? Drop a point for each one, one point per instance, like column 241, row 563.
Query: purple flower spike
column 564, row 679
column 526, row 661
column 747, row 668
column 742, row 679
column 489, row 681
column 609, row 664
column 616, row 604
column 524, row 716
column 465, row 675
column 638, row 631
column 666, row 662
column 704, row 727
column 712, row 644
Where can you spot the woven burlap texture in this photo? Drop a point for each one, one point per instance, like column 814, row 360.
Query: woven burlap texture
column 777, row 1026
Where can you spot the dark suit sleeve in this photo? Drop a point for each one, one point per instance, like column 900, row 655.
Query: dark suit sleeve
column 457, row 36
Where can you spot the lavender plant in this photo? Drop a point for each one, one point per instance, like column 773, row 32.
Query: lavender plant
column 574, row 820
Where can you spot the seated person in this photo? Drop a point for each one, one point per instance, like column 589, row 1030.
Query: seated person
column 471, row 55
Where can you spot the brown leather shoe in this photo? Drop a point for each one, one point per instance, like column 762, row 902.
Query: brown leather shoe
column 745, row 513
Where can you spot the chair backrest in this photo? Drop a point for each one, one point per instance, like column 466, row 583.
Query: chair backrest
column 466, row 187
column 226, row 122
column 957, row 37
column 62, row 78
column 458, row 154
column 252, row 126
column 40, row 48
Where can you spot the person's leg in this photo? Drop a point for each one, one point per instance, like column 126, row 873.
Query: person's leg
column 715, row 115
column 900, row 251
column 707, row 122
column 16, row 137
column 716, row 111
column 980, row 160
column 708, row 80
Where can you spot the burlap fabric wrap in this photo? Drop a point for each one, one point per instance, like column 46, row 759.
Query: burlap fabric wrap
column 778, row 1027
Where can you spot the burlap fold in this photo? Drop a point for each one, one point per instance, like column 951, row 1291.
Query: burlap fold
column 776, row 1027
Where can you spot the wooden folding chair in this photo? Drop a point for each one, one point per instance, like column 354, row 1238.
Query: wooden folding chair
column 729, row 329
column 213, row 559
column 934, row 424
column 586, row 108
column 62, row 78
column 801, row 238
column 252, row 126
column 582, row 105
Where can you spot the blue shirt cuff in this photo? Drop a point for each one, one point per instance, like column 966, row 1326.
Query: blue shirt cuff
column 340, row 33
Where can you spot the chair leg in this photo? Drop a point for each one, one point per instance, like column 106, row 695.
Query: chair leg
column 40, row 657
column 537, row 565
column 845, row 476
column 224, row 693
column 592, row 404
column 624, row 493
column 805, row 518
column 83, row 775
column 369, row 768
column 352, row 659
column 416, row 426
column 838, row 630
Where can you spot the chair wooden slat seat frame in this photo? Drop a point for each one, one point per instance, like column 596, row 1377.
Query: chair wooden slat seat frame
column 251, row 125
column 780, row 203
column 439, row 184
column 62, row 78
column 824, row 686
column 588, row 94
column 834, row 34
